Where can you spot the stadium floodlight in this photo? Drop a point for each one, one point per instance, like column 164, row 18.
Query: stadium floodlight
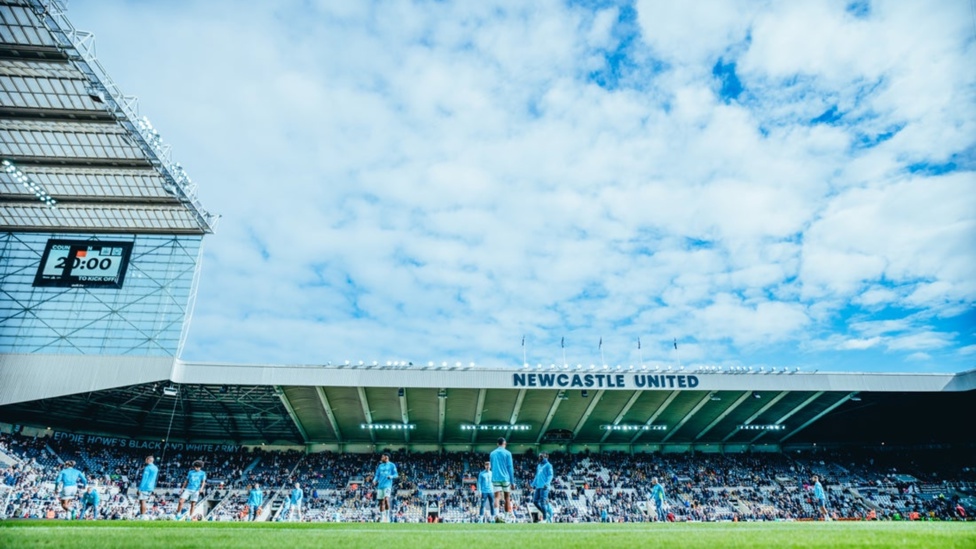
column 388, row 426
column 34, row 188
column 633, row 428
column 761, row 427
column 471, row 365
column 442, row 393
column 430, row 364
column 496, row 427
column 171, row 391
column 714, row 397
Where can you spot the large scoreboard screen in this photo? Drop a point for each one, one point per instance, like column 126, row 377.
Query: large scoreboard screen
column 83, row 264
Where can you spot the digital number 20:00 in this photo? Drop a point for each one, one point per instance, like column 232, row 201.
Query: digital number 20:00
column 92, row 263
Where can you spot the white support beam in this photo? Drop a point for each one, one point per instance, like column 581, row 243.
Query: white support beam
column 441, row 416
column 758, row 413
column 552, row 413
column 366, row 411
column 586, row 414
column 723, row 415
column 623, row 412
column 515, row 412
column 328, row 412
column 789, row 414
column 291, row 412
column 818, row 416
column 701, row 404
column 405, row 415
column 655, row 415
column 479, row 411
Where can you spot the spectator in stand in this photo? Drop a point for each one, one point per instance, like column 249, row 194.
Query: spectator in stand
column 542, row 483
column 657, row 494
column 67, row 486
column 487, row 496
column 146, row 486
column 90, row 499
column 254, row 500
column 502, row 479
column 196, row 481
column 820, row 497
column 386, row 471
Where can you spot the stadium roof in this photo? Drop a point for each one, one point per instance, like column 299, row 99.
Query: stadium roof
column 76, row 155
column 426, row 407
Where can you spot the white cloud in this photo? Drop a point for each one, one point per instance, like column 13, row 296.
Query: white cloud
column 423, row 181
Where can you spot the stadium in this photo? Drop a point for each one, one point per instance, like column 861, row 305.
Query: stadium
column 102, row 235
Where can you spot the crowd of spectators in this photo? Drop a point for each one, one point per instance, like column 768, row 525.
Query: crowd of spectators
column 588, row 487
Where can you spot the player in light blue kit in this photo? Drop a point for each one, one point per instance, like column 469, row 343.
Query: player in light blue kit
column 294, row 502
column 821, row 498
column 196, row 481
column 66, row 486
column 254, row 500
column 542, row 484
column 502, row 479
column 148, row 483
column 657, row 494
column 487, row 493
column 386, row 471
column 90, row 500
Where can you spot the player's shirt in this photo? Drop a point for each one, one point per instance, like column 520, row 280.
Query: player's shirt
column 818, row 491
column 543, row 475
column 70, row 477
column 484, row 482
column 657, row 493
column 296, row 496
column 254, row 498
column 195, row 480
column 91, row 498
column 149, row 476
column 385, row 473
column 502, row 468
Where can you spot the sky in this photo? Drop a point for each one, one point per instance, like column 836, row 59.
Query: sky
column 771, row 184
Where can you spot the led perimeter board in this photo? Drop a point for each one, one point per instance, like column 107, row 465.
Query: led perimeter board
column 83, row 264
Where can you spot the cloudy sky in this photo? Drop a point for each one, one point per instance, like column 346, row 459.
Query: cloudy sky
column 775, row 184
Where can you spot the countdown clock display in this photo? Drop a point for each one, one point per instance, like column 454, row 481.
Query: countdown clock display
column 83, row 264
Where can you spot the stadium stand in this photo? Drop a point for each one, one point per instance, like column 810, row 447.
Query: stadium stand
column 893, row 484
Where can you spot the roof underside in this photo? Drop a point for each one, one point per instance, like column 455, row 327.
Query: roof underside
column 67, row 132
column 336, row 415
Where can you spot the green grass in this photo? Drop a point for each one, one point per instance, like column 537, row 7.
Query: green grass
column 147, row 535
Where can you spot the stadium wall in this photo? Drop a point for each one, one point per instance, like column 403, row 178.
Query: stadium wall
column 145, row 317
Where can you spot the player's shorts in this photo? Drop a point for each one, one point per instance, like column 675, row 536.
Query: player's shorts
column 192, row 496
column 383, row 493
column 69, row 492
column 144, row 496
column 501, row 486
column 822, row 502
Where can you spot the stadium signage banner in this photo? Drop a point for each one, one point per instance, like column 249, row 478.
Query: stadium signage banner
column 144, row 444
column 606, row 381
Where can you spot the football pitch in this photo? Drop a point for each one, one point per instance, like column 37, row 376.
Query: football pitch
column 145, row 535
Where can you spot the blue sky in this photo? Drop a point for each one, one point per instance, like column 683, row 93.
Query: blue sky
column 777, row 184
